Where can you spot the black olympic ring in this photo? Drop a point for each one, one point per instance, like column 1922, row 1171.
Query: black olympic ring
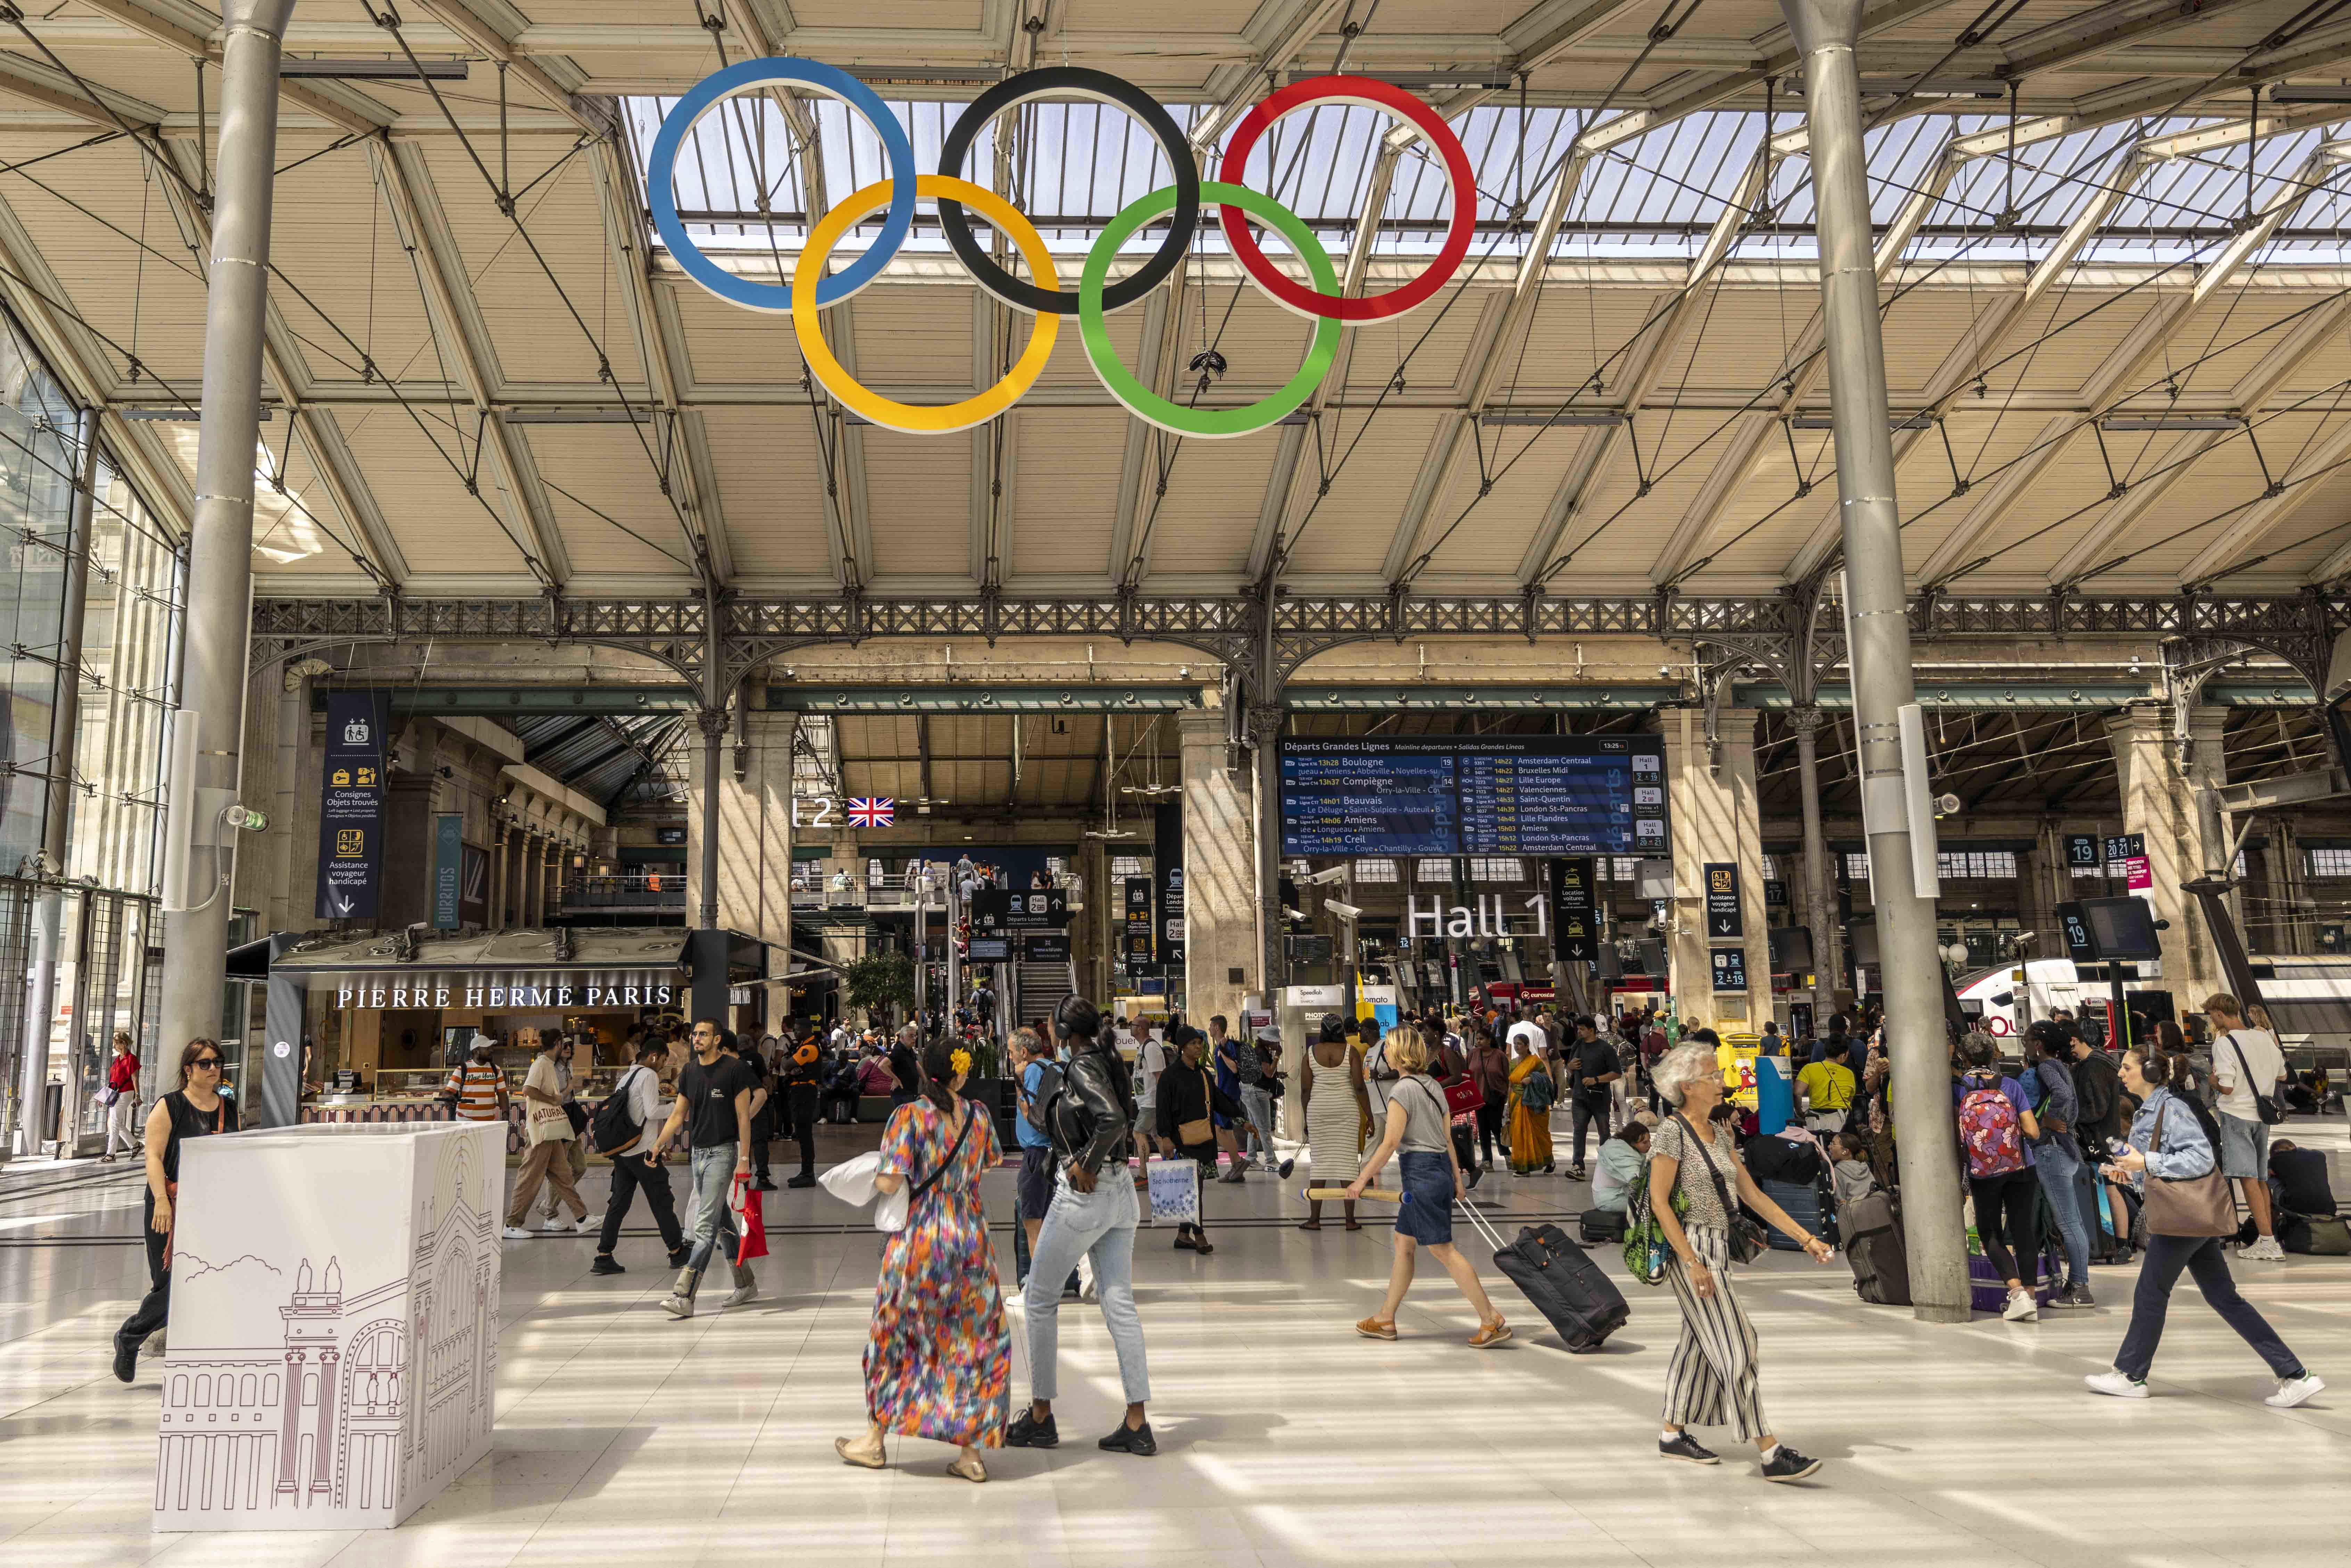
column 1119, row 93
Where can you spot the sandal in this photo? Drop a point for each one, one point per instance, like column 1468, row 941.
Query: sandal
column 969, row 1469
column 1202, row 1247
column 1312, row 1225
column 1372, row 1328
column 857, row 1453
column 1488, row 1335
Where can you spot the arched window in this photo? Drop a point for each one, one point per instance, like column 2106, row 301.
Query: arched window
column 269, row 1389
column 180, row 1388
column 204, row 1391
column 245, row 1389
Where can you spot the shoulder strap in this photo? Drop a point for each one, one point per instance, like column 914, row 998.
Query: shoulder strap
column 1699, row 1153
column 969, row 1111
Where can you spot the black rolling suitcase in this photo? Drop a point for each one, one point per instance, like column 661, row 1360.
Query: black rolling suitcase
column 1599, row 1226
column 1872, row 1245
column 1564, row 1284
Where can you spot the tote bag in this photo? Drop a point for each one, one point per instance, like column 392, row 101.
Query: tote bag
column 2189, row 1206
column 1175, row 1192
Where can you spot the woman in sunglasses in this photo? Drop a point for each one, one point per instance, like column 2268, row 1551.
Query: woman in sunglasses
column 194, row 1109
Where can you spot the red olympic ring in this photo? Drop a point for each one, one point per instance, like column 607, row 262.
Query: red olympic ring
column 1372, row 94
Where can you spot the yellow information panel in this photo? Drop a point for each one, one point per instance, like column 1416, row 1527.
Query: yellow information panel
column 1736, row 1056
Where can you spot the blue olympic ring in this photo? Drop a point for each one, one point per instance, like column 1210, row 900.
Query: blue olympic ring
column 660, row 167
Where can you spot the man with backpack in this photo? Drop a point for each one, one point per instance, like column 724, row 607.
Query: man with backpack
column 2098, row 1100
column 624, row 1129
column 2057, row 1156
column 801, row 1070
column 1995, row 1125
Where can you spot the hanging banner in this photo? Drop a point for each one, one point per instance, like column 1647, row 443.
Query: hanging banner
column 448, row 869
column 1723, row 915
column 1138, row 945
column 1167, row 865
column 350, row 807
column 1573, row 918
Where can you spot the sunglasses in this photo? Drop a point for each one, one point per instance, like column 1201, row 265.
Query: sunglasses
column 205, row 1062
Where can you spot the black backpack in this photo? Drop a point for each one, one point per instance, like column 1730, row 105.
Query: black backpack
column 612, row 1128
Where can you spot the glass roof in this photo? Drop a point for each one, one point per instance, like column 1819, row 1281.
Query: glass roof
column 1650, row 197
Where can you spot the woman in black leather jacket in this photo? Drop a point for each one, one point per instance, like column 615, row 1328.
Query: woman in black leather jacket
column 1094, row 1213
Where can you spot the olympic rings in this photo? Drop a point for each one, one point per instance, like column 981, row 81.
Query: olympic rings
column 1103, row 87
column 911, row 417
column 1372, row 94
column 811, row 290
column 1173, row 417
column 749, row 76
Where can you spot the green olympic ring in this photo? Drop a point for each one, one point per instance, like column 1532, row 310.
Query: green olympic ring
column 1177, row 418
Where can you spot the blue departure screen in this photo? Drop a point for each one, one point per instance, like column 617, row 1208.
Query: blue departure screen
column 1533, row 795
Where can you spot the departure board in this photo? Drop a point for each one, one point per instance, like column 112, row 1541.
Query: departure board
column 1521, row 795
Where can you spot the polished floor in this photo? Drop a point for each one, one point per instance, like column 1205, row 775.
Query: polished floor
column 625, row 1436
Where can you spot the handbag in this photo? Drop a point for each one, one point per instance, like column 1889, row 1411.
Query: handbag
column 2186, row 1206
column 1200, row 1129
column 2265, row 1107
column 1463, row 1097
column 1746, row 1239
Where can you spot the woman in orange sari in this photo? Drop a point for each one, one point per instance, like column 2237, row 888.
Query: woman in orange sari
column 1531, row 1093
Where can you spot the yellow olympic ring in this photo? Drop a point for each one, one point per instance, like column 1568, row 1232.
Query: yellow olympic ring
column 915, row 418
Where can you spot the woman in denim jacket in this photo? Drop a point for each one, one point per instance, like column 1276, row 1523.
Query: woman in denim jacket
column 2185, row 1152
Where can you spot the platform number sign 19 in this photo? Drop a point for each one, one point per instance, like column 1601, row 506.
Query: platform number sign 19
column 1730, row 968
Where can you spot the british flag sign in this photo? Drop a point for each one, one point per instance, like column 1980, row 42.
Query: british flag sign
column 871, row 812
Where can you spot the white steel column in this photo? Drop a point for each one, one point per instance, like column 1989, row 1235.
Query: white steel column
column 220, row 550
column 1877, row 612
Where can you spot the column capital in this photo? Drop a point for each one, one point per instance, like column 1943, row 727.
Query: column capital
column 1265, row 721
column 711, row 722
column 1807, row 719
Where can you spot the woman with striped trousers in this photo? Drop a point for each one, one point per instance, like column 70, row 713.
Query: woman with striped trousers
column 1711, row 1379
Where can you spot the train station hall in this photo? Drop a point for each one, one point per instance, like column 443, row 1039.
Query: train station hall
column 1617, row 829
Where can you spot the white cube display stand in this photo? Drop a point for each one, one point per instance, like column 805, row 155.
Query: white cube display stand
column 333, row 1341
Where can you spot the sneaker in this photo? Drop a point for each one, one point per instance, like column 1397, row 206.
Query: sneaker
column 604, row 1265
column 741, row 1294
column 2293, row 1391
column 1286, row 1167
column 2075, row 1294
column 2020, row 1307
column 1683, row 1446
column 517, row 1233
column 2264, row 1250
column 1575, row 1173
column 678, row 1306
column 763, row 1185
column 802, row 1180
column 1135, row 1440
column 126, row 1360
column 1027, row 1432
column 1787, row 1465
column 2115, row 1383
column 588, row 1222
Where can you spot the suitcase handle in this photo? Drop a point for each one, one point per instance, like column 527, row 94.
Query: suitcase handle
column 1485, row 1227
column 1339, row 1195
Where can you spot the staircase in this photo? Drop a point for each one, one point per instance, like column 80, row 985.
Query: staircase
column 1038, row 989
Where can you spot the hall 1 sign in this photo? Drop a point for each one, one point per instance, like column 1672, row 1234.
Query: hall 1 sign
column 350, row 807
column 1488, row 918
column 1723, row 917
column 1572, row 915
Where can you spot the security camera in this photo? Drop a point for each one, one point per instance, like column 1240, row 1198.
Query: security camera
column 1289, row 914
column 1947, row 805
column 1325, row 878
column 1347, row 912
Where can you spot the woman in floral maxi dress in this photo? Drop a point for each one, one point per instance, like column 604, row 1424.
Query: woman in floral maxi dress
column 939, row 1363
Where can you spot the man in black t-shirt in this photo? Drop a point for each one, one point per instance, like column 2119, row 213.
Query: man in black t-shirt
column 714, row 1094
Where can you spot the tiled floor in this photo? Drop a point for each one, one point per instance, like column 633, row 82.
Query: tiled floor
column 1285, row 1438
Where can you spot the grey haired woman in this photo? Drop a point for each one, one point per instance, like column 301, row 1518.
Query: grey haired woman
column 1711, row 1380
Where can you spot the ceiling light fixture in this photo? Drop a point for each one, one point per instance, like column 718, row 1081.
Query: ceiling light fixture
column 373, row 69
column 181, row 415
column 2172, row 421
column 580, row 416
column 1575, row 416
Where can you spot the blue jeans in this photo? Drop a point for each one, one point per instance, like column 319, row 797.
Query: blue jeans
column 2060, row 1166
column 714, row 1173
column 1101, row 1225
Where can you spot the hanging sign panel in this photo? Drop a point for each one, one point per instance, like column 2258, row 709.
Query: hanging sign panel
column 1488, row 795
column 350, row 808
column 1723, row 915
column 1573, row 918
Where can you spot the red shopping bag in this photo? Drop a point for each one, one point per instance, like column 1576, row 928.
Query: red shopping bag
column 750, row 1226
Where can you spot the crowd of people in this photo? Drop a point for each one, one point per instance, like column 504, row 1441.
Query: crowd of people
column 2072, row 1153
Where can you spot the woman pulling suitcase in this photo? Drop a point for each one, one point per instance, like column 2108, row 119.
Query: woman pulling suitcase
column 1430, row 1179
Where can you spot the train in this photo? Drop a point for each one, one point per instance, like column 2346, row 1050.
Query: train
column 2308, row 997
